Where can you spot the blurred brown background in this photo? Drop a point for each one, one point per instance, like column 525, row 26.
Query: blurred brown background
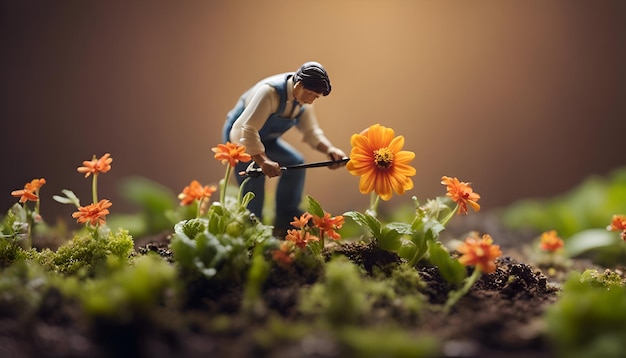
column 523, row 99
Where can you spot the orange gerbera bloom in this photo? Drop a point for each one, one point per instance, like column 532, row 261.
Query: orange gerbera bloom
column 231, row 153
column 461, row 193
column 300, row 238
column 618, row 222
column 96, row 166
column 550, row 241
column 328, row 225
column 30, row 191
column 93, row 214
column 195, row 191
column 480, row 253
column 302, row 221
column 377, row 157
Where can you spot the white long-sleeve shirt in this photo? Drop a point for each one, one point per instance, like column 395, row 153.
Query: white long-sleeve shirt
column 261, row 102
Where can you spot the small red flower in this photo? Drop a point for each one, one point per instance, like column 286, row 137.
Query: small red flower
column 618, row 222
column 550, row 241
column 30, row 191
column 300, row 238
column 480, row 253
column 461, row 193
column 284, row 255
column 302, row 221
column 93, row 214
column 95, row 166
column 195, row 191
column 231, row 153
column 328, row 225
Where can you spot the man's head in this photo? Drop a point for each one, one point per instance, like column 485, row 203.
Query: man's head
column 313, row 77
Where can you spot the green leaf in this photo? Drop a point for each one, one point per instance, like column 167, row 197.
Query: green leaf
column 450, row 269
column 367, row 221
column 591, row 239
column 314, row 207
column 69, row 198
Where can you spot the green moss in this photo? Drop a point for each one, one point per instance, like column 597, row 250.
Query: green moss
column 87, row 255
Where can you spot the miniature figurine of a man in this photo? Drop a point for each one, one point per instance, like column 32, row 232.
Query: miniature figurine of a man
column 262, row 114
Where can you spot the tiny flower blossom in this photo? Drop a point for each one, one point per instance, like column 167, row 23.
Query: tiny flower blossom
column 618, row 222
column 461, row 193
column 231, row 153
column 284, row 255
column 93, row 214
column 96, row 165
column 480, row 253
column 30, row 191
column 328, row 225
column 302, row 221
column 195, row 191
column 300, row 238
column 550, row 241
column 377, row 157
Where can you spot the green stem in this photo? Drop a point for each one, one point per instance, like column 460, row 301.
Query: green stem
column 224, row 183
column 199, row 207
column 94, row 188
column 449, row 216
column 240, row 196
column 374, row 199
column 455, row 296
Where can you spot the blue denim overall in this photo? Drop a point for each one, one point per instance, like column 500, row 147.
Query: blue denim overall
column 291, row 182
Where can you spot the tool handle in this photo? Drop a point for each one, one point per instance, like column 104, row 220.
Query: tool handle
column 255, row 172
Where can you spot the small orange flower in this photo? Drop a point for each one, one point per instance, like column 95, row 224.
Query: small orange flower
column 302, row 221
column 550, row 241
column 328, row 225
column 300, row 238
column 30, row 191
column 284, row 255
column 93, row 214
column 461, row 193
column 480, row 253
column 96, row 166
column 377, row 157
column 231, row 153
column 618, row 222
column 195, row 191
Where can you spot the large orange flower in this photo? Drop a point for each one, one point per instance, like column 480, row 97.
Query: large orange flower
column 550, row 241
column 95, row 165
column 231, row 153
column 93, row 214
column 328, row 225
column 30, row 191
column 480, row 253
column 377, row 157
column 195, row 191
column 461, row 193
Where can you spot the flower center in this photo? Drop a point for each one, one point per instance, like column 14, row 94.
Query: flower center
column 383, row 158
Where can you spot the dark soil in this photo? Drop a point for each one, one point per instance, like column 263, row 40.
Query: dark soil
column 501, row 315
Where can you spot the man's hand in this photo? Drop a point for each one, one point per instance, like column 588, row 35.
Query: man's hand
column 269, row 167
column 336, row 154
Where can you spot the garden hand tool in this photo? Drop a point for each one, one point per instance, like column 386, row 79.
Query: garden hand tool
column 251, row 171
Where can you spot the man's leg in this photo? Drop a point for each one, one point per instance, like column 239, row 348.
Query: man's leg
column 290, row 184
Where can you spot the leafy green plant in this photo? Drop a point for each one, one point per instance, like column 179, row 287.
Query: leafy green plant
column 347, row 296
column 124, row 294
column 588, row 319
column 590, row 205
